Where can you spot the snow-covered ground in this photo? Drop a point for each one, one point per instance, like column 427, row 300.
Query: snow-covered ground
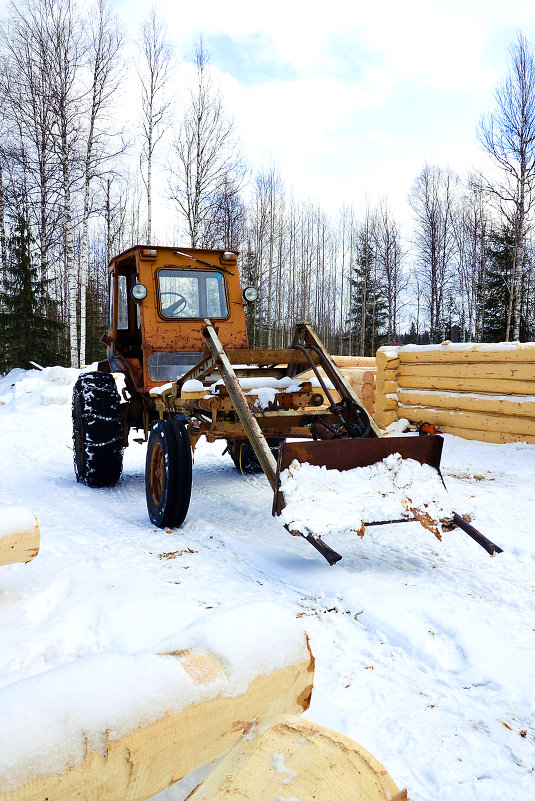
column 425, row 651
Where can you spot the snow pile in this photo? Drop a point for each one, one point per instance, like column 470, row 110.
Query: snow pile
column 193, row 385
column 434, row 645
column 50, row 721
column 51, row 386
column 264, row 388
column 158, row 390
column 396, row 428
column 15, row 520
column 321, row 501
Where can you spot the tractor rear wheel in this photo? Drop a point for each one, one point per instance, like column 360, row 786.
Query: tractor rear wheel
column 244, row 457
column 97, row 430
column 168, row 473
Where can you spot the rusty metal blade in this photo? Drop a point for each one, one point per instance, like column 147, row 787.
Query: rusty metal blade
column 345, row 454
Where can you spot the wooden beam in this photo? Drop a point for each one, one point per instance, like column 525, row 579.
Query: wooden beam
column 466, row 402
column 191, row 705
column 469, row 384
column 469, row 352
column 344, row 362
column 386, row 375
column 386, row 387
column 19, row 535
column 383, row 417
column 498, row 437
column 266, row 356
column 493, row 370
column 386, row 360
column 471, row 420
column 294, row 758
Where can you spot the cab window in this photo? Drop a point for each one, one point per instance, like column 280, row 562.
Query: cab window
column 192, row 293
column 122, row 305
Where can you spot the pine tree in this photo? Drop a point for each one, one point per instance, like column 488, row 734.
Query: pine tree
column 27, row 332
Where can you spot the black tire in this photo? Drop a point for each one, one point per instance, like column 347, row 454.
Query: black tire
column 97, row 430
column 244, row 457
column 168, row 473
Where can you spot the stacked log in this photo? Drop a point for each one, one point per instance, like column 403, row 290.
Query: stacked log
column 360, row 372
column 386, row 402
column 476, row 391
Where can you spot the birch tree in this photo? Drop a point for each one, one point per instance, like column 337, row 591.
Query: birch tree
column 206, row 159
column 508, row 135
column 65, row 46
column 27, row 104
column 472, row 230
column 154, row 73
column 432, row 199
column 105, row 73
column 389, row 253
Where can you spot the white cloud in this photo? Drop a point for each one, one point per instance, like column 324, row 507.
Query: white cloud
column 347, row 97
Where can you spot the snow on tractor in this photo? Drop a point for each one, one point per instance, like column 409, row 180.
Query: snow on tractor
column 177, row 335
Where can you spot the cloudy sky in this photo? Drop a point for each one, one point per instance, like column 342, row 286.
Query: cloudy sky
column 350, row 99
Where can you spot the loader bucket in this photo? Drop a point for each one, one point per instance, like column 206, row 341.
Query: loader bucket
column 344, row 454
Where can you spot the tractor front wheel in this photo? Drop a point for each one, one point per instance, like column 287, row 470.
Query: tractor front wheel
column 168, row 473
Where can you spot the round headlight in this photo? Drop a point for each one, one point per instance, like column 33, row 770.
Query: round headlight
column 139, row 291
column 250, row 293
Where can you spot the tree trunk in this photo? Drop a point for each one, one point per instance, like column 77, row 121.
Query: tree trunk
column 71, row 268
column 3, row 254
column 83, row 273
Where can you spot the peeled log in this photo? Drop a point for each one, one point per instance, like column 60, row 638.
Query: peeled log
column 386, row 375
column 494, row 404
column 386, row 360
column 472, row 420
column 469, row 352
column 503, row 387
column 501, row 438
column 387, row 402
column 297, row 759
column 116, row 726
column 383, row 418
column 359, row 376
column 493, row 370
column 386, row 387
column 19, row 535
column 354, row 375
column 355, row 361
column 366, row 391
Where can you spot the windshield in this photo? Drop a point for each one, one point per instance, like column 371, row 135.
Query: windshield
column 192, row 293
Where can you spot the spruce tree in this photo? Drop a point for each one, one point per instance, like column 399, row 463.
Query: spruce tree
column 368, row 304
column 27, row 333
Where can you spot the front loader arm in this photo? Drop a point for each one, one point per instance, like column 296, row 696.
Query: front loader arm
column 306, row 337
column 247, row 418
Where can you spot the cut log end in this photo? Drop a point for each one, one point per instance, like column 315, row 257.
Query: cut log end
column 19, row 535
column 292, row 757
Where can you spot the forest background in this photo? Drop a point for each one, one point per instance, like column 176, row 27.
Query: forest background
column 78, row 159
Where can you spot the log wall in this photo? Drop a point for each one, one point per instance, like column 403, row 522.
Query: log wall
column 476, row 391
